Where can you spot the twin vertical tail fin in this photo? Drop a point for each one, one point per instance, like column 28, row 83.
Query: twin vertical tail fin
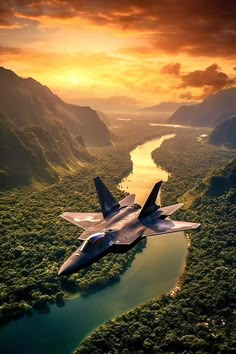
column 107, row 202
column 150, row 206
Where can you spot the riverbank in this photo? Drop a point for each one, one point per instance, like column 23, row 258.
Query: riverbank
column 199, row 318
column 87, row 312
column 176, row 289
column 35, row 241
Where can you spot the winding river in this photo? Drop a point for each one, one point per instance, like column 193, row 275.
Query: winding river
column 153, row 272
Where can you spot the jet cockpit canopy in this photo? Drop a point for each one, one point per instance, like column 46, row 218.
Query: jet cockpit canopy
column 91, row 240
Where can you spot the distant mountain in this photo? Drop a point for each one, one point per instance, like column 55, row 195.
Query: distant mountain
column 40, row 135
column 27, row 102
column 225, row 133
column 167, row 106
column 209, row 112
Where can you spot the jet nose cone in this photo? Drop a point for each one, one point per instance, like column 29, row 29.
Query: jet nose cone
column 72, row 264
column 67, row 267
column 62, row 270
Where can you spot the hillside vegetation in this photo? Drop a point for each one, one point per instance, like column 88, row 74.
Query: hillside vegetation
column 42, row 137
column 36, row 153
column 225, row 133
column 35, row 104
column 35, row 241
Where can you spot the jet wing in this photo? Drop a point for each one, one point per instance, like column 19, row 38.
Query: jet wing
column 169, row 210
column 159, row 227
column 129, row 200
column 83, row 220
column 127, row 238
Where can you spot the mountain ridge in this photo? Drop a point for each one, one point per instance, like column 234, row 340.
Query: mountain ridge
column 211, row 111
column 35, row 103
column 41, row 135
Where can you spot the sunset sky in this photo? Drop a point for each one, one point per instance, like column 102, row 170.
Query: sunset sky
column 122, row 54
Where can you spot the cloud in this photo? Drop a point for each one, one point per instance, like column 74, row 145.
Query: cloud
column 171, row 69
column 211, row 76
column 9, row 50
column 186, row 96
column 5, row 14
column 136, row 51
column 196, row 27
column 209, row 80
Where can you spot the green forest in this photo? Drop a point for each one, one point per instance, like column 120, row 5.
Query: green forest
column 199, row 318
column 35, row 241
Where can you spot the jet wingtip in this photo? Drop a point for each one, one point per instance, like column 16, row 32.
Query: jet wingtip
column 195, row 226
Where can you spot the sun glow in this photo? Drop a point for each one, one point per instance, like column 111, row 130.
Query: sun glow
column 120, row 50
column 74, row 80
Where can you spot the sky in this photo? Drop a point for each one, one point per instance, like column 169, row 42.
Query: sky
column 125, row 54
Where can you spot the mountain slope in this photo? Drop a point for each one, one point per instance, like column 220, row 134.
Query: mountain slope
column 27, row 102
column 215, row 184
column 209, row 112
column 35, row 153
column 225, row 133
column 15, row 167
column 42, row 136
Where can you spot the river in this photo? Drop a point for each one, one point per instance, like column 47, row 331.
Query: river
column 153, row 272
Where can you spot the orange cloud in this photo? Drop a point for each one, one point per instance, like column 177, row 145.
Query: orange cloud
column 187, row 96
column 9, row 50
column 146, row 51
column 211, row 76
column 210, row 80
column 196, row 27
column 171, row 69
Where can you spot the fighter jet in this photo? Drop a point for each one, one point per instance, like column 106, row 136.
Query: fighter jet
column 119, row 226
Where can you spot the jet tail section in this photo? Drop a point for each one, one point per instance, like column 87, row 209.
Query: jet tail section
column 107, row 202
column 150, row 206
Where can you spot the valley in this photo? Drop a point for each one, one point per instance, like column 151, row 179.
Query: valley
column 39, row 240
column 199, row 316
column 143, row 95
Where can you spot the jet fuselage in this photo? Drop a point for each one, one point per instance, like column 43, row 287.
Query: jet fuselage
column 101, row 237
column 119, row 226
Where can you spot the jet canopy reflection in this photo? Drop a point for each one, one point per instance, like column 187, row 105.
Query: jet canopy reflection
column 91, row 240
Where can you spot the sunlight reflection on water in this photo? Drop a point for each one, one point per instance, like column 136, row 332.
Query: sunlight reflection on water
column 145, row 172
